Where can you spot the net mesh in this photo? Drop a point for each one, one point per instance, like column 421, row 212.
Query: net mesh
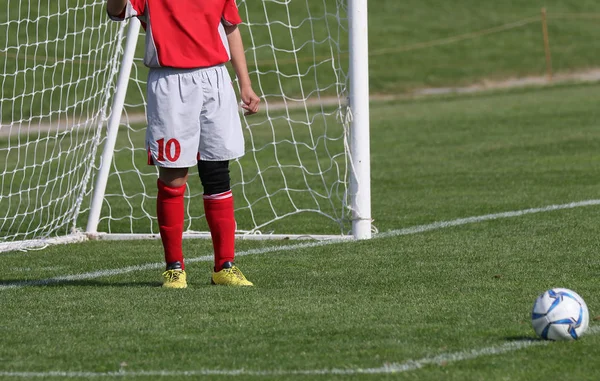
column 293, row 178
column 55, row 75
column 60, row 63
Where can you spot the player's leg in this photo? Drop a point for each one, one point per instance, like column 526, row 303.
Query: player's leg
column 218, row 208
column 170, row 210
column 221, row 140
column 172, row 140
column 219, row 211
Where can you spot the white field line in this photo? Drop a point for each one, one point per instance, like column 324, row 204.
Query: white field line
column 304, row 245
column 407, row 366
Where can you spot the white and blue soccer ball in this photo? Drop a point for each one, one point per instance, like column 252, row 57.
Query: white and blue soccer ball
column 560, row 314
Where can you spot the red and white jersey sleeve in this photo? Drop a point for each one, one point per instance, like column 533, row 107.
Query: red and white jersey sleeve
column 184, row 34
column 231, row 15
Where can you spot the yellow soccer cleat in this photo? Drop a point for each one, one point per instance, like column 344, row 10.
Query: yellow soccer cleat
column 230, row 275
column 174, row 279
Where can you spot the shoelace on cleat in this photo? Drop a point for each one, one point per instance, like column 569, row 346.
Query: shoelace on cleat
column 173, row 276
column 235, row 272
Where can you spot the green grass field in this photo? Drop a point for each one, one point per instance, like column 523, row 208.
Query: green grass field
column 399, row 299
column 423, row 300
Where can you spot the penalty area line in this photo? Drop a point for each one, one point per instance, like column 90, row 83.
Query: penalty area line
column 393, row 233
column 406, row 366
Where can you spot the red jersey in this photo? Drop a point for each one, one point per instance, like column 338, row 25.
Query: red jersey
column 184, row 34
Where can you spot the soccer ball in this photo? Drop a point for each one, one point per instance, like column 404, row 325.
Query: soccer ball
column 560, row 314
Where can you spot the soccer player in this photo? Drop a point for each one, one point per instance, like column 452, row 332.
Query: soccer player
column 193, row 118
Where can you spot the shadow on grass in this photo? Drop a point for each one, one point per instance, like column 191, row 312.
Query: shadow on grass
column 78, row 283
column 523, row 338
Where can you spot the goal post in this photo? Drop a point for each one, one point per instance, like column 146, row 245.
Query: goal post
column 360, row 151
column 306, row 172
column 112, row 130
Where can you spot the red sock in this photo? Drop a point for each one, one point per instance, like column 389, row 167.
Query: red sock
column 170, row 213
column 221, row 222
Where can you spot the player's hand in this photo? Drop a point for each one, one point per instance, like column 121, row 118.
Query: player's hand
column 250, row 100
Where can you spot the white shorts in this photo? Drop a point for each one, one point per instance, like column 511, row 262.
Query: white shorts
column 192, row 114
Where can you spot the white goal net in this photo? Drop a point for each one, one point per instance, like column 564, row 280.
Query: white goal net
column 60, row 64
column 56, row 73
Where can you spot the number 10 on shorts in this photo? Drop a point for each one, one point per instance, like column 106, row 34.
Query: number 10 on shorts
column 171, row 150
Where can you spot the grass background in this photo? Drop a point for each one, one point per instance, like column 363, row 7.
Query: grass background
column 395, row 27
column 388, row 300
column 358, row 304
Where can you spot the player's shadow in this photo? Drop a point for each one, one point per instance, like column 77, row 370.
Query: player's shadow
column 99, row 283
column 78, row 283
